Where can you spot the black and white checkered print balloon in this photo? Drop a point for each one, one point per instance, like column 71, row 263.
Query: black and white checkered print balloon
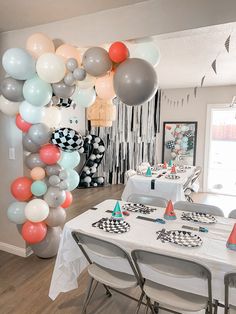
column 65, row 102
column 188, row 133
column 67, row 139
column 170, row 144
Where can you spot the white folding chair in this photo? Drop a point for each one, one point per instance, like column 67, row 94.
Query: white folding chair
column 108, row 264
column 147, row 200
column 232, row 214
column 154, row 269
column 200, row 208
column 230, row 283
column 189, row 189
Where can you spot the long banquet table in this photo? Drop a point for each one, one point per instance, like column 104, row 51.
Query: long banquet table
column 166, row 188
column 213, row 253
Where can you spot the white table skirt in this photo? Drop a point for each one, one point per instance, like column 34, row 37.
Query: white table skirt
column 166, row 188
column 213, row 253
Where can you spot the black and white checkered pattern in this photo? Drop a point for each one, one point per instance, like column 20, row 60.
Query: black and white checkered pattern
column 65, row 102
column 112, row 225
column 170, row 144
column 138, row 208
column 179, row 237
column 172, row 177
column 67, row 139
column 199, row 217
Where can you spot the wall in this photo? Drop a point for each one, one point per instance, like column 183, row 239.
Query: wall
column 194, row 110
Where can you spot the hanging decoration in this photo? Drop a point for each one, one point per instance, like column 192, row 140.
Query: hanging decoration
column 101, row 113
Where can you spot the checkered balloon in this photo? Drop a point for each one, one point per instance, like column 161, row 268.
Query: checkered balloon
column 65, row 102
column 189, row 133
column 170, row 144
column 67, row 139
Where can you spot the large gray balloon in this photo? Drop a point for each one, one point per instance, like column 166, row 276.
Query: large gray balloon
column 79, row 74
column 56, row 217
column 71, row 64
column 96, row 61
column 50, row 244
column 53, row 170
column 40, row 133
column 54, row 197
column 33, row 160
column 12, row 89
column 29, row 145
column 62, row 90
column 135, row 81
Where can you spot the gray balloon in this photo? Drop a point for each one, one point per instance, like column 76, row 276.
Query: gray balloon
column 56, row 217
column 40, row 133
column 135, row 81
column 71, row 64
column 54, row 197
column 55, row 100
column 69, row 79
column 53, row 170
column 50, row 244
column 79, row 74
column 63, row 185
column 54, row 180
column 63, row 175
column 12, row 89
column 29, row 145
column 33, row 160
column 60, row 89
column 96, row 61
column 19, row 228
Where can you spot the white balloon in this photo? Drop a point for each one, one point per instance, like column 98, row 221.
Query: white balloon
column 50, row 67
column 88, row 82
column 7, row 107
column 147, row 51
column 87, row 179
column 52, row 117
column 36, row 210
column 101, row 149
column 84, row 97
column 31, row 113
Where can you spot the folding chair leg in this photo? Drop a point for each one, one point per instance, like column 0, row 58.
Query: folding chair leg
column 108, row 292
column 149, row 305
column 216, row 306
column 87, row 294
column 139, row 302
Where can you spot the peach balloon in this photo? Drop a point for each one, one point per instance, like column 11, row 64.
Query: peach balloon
column 37, row 173
column 38, row 44
column 67, row 51
column 104, row 87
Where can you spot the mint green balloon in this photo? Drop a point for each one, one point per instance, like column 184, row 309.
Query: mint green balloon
column 72, row 179
column 37, row 92
column 69, row 160
column 84, row 97
column 38, row 188
column 16, row 212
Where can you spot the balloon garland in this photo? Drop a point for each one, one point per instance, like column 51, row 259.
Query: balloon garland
column 40, row 80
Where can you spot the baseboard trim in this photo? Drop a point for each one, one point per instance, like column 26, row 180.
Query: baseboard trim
column 23, row 252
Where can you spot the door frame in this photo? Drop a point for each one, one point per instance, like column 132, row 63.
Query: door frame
column 208, row 133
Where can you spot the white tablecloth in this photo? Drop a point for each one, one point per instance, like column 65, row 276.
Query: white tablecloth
column 213, row 253
column 169, row 189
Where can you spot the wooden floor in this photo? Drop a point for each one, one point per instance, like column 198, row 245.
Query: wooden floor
column 24, row 282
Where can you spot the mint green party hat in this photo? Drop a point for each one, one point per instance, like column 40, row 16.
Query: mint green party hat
column 148, row 172
column 117, row 213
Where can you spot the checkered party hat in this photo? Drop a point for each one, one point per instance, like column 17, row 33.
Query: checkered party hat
column 231, row 243
column 117, row 212
column 169, row 212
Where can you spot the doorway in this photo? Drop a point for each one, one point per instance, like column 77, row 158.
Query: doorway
column 220, row 162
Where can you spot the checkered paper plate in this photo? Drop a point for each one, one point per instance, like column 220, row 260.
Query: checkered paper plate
column 112, row 225
column 138, row 208
column 180, row 237
column 199, row 217
column 172, row 177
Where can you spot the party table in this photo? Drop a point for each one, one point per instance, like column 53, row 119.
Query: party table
column 163, row 187
column 212, row 253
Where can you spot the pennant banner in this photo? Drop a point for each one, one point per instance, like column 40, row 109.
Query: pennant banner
column 227, row 43
column 213, row 65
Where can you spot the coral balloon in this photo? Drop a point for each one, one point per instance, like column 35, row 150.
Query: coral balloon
column 21, row 188
column 34, row 232
column 118, row 52
column 38, row 44
column 37, row 173
column 67, row 51
column 22, row 124
column 68, row 201
column 49, row 154
column 104, row 87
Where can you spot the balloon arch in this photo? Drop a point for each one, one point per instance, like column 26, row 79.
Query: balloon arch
column 39, row 81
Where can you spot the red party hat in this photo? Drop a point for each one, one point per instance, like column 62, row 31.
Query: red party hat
column 165, row 165
column 231, row 243
column 169, row 212
column 173, row 169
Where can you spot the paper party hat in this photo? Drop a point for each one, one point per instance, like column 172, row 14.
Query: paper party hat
column 165, row 165
column 117, row 213
column 170, row 163
column 169, row 212
column 231, row 243
column 148, row 172
column 173, row 169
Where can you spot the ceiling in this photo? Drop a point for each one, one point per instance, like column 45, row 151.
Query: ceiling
column 187, row 56
column 25, row 13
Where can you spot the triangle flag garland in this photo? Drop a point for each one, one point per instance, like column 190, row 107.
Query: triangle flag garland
column 227, row 43
column 202, row 80
column 117, row 213
column 213, row 65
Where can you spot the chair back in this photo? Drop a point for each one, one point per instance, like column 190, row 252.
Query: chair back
column 188, row 182
column 232, row 214
column 147, row 200
column 230, row 282
column 196, row 174
column 200, row 208
column 104, row 253
column 161, row 269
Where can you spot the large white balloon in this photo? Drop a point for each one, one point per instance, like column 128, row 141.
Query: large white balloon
column 31, row 113
column 7, row 107
column 36, row 210
column 50, row 68
column 147, row 51
column 84, row 97
column 88, row 82
column 52, row 117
